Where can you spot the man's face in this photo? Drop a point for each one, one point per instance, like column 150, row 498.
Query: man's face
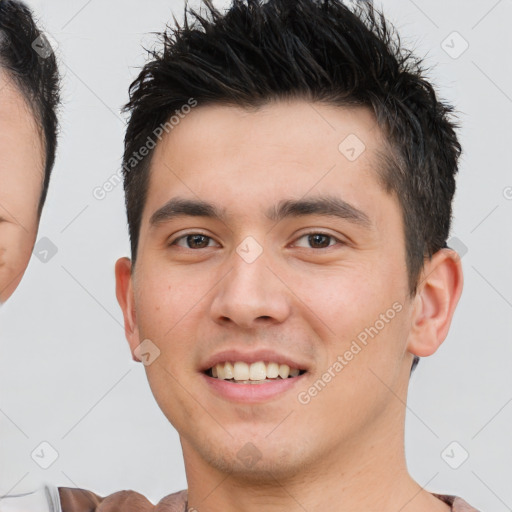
column 250, row 283
column 21, row 178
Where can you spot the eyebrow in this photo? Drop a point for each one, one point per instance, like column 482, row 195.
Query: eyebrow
column 327, row 206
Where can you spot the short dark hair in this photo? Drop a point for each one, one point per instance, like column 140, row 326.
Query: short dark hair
column 318, row 50
column 34, row 73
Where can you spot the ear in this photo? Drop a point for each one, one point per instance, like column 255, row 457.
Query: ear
column 126, row 299
column 437, row 296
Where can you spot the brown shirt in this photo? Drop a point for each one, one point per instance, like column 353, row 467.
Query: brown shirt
column 80, row 500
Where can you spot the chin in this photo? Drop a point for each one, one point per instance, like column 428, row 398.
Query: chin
column 260, row 471
column 257, row 459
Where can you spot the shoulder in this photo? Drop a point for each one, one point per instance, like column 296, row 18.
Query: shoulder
column 457, row 504
column 176, row 502
column 81, row 500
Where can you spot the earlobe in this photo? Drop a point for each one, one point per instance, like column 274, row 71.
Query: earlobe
column 437, row 296
column 126, row 300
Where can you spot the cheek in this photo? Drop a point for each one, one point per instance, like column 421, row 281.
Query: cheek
column 15, row 246
column 165, row 298
column 344, row 298
column 15, row 251
column 169, row 311
column 359, row 314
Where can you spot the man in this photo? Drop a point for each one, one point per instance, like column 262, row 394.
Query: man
column 289, row 174
column 29, row 98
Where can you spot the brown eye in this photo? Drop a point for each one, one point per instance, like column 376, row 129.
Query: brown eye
column 193, row 241
column 318, row 240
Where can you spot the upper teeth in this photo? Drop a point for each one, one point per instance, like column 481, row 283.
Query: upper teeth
column 255, row 371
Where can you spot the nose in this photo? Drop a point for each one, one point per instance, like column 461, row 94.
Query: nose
column 251, row 295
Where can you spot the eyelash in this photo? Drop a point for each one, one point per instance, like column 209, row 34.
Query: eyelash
column 302, row 236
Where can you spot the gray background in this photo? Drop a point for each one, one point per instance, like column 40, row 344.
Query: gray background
column 66, row 375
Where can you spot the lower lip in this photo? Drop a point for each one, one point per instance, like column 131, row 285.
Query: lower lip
column 251, row 393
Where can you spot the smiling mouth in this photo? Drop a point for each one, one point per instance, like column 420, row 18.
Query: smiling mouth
column 260, row 372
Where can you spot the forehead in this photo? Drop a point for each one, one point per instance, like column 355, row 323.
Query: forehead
column 22, row 153
column 239, row 158
column 16, row 116
column 13, row 104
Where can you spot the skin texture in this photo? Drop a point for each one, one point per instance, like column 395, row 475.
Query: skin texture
column 21, row 181
column 344, row 450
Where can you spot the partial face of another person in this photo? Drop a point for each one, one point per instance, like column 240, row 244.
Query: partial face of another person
column 252, row 286
column 21, row 181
